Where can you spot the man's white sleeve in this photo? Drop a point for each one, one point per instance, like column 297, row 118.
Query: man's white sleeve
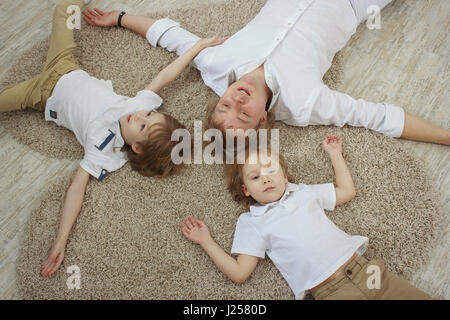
column 333, row 107
column 168, row 34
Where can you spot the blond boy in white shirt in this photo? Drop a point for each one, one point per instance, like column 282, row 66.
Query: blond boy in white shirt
column 113, row 129
column 272, row 69
column 288, row 223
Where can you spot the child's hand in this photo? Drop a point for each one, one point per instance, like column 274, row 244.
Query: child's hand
column 54, row 260
column 211, row 42
column 98, row 18
column 332, row 144
column 195, row 230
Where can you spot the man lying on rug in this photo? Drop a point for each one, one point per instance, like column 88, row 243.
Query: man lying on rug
column 273, row 68
column 113, row 129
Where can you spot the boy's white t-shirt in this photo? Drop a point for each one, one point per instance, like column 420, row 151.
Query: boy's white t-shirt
column 91, row 109
column 305, row 246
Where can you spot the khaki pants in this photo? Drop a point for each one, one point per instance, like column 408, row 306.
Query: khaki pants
column 358, row 281
column 60, row 60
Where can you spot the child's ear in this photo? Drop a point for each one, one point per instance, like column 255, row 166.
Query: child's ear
column 137, row 148
column 244, row 189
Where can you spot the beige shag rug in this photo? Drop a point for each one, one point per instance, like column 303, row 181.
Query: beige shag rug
column 127, row 240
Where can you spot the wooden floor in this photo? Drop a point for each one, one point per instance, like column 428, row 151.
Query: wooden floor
column 406, row 63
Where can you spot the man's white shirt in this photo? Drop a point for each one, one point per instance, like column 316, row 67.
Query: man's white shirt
column 296, row 41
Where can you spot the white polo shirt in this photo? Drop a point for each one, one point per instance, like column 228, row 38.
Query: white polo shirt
column 91, row 109
column 305, row 246
column 296, row 41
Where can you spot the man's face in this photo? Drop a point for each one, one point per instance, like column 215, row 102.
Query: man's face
column 136, row 127
column 264, row 181
column 242, row 106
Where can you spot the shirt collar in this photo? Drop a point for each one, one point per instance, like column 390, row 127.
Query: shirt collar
column 259, row 210
column 272, row 83
column 118, row 141
column 242, row 70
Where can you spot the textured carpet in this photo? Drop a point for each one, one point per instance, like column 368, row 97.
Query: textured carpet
column 127, row 240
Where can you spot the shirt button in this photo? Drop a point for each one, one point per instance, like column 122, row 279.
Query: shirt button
column 348, row 272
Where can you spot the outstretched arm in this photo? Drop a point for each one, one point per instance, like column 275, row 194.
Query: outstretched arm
column 333, row 107
column 173, row 70
column 70, row 211
column 345, row 189
column 418, row 129
column 237, row 270
column 165, row 32
column 98, row 18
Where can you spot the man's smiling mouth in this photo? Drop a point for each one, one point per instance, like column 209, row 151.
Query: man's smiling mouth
column 244, row 90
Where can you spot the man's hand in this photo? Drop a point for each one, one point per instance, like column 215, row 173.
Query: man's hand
column 98, row 18
column 55, row 258
column 195, row 230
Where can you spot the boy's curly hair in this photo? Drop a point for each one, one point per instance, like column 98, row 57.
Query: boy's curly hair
column 155, row 159
column 234, row 178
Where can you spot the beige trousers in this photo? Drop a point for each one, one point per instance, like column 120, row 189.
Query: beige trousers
column 33, row 93
column 367, row 280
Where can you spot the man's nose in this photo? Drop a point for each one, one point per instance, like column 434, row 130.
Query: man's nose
column 237, row 97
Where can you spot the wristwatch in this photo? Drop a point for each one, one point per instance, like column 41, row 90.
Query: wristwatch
column 120, row 19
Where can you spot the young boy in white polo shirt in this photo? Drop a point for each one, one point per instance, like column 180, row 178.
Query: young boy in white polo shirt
column 113, row 129
column 288, row 223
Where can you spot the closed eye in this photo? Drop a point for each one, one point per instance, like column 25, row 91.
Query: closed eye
column 225, row 106
column 244, row 121
column 223, row 109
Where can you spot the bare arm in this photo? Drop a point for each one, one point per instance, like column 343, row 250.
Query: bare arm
column 174, row 69
column 238, row 270
column 71, row 209
column 418, row 129
column 98, row 18
column 345, row 188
